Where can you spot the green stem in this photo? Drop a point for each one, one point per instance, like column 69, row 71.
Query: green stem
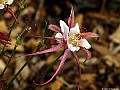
column 7, row 86
column 29, row 59
column 10, row 30
column 2, row 52
column 13, row 53
column 46, row 70
column 49, row 67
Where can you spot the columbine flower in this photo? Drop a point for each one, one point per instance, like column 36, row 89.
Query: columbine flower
column 4, row 39
column 4, row 4
column 70, row 38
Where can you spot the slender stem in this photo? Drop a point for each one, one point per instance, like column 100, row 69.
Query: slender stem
column 49, row 67
column 46, row 70
column 18, row 72
column 10, row 30
column 2, row 52
column 13, row 53
column 29, row 59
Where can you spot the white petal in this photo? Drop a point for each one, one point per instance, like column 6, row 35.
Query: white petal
column 64, row 29
column 59, row 35
column 75, row 29
column 1, row 6
column 72, row 48
column 9, row 2
column 84, row 43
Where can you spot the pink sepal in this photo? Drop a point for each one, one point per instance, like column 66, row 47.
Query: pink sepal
column 71, row 19
column 52, row 37
column 54, row 28
column 89, row 34
column 56, row 47
column 59, row 67
column 11, row 13
column 87, row 52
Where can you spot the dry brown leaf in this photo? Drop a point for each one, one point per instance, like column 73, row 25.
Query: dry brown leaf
column 8, row 74
column 20, row 48
column 102, row 41
column 101, row 49
column 56, row 85
column 57, row 10
column 89, row 78
column 25, row 72
column 99, row 29
column 16, row 31
column 2, row 65
column 50, row 59
column 28, row 10
column 79, row 19
column 61, row 79
column 115, row 37
column 38, row 66
column 97, row 15
column 32, row 43
column 3, row 27
column 116, row 50
column 111, row 59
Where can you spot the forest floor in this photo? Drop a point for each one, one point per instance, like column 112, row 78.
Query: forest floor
column 101, row 71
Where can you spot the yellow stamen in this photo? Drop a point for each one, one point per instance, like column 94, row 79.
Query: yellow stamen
column 74, row 39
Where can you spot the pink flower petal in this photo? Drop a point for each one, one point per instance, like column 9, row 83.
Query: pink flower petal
column 59, row 67
column 54, row 28
column 71, row 19
column 89, row 34
column 87, row 52
column 56, row 47
column 11, row 13
column 52, row 37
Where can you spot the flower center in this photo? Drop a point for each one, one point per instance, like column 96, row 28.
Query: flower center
column 3, row 1
column 74, row 39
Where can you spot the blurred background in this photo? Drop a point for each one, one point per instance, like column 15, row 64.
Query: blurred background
column 102, row 70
